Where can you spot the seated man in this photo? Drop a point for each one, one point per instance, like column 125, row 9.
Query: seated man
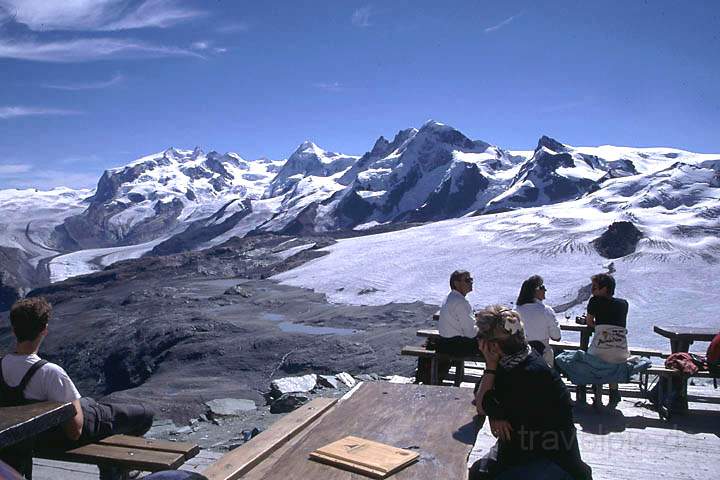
column 457, row 321
column 528, row 406
column 608, row 315
column 44, row 381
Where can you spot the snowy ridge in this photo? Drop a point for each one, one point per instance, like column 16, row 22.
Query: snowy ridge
column 179, row 200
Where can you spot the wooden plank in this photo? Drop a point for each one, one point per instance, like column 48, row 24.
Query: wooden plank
column 26, row 421
column 239, row 461
column 365, row 456
column 436, row 422
column 416, row 351
column 188, row 450
column 135, row 458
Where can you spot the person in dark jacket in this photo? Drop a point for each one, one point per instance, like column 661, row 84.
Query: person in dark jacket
column 528, row 407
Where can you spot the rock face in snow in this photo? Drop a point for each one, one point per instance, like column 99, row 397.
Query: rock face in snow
column 203, row 230
column 428, row 174
column 620, row 239
column 553, row 174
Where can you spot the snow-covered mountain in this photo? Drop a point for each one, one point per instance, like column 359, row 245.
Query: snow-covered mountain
column 180, row 200
column 161, row 194
column 422, row 175
column 308, row 160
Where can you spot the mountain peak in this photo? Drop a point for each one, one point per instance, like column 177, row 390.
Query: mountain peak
column 551, row 144
column 435, row 125
column 308, row 147
column 183, row 155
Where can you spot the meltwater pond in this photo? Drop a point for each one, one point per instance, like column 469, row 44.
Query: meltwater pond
column 290, row 327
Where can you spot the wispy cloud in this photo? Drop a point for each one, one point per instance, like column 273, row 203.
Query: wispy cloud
column 13, row 169
column 236, row 27
column 361, row 16
column 117, row 79
column 155, row 13
column 200, row 45
column 86, row 49
column 207, row 46
column 19, row 111
column 330, row 87
column 504, row 23
column 42, row 15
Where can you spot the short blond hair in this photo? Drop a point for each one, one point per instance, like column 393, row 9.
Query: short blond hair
column 501, row 324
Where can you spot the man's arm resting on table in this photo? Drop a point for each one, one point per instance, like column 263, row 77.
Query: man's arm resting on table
column 73, row 427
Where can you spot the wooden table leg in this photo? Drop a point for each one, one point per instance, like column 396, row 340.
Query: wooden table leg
column 459, row 372
column 434, row 371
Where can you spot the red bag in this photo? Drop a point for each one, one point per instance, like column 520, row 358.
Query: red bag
column 713, row 356
column 682, row 361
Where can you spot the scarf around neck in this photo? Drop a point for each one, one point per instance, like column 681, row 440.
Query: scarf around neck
column 511, row 361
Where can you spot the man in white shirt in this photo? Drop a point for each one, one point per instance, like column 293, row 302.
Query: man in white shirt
column 26, row 378
column 457, row 321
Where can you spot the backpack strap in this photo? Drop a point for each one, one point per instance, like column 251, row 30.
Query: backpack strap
column 29, row 374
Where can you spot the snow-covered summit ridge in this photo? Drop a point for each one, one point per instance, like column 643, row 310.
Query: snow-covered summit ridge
column 423, row 174
column 308, row 160
column 155, row 194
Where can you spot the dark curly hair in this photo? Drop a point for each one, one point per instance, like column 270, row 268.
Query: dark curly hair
column 29, row 317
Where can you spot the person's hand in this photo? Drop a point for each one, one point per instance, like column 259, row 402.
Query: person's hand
column 491, row 352
column 501, row 429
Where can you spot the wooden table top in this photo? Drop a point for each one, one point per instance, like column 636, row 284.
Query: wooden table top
column 436, row 422
column 701, row 334
column 26, row 421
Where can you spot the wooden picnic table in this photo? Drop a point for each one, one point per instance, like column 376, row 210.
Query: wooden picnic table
column 436, row 422
column 26, row 421
column 20, row 424
column 682, row 337
column 584, row 330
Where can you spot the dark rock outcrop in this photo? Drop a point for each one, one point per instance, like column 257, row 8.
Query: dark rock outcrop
column 203, row 230
column 620, row 239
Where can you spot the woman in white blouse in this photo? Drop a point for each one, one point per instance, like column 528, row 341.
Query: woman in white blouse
column 539, row 319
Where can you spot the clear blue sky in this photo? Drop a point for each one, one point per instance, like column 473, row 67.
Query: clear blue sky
column 96, row 84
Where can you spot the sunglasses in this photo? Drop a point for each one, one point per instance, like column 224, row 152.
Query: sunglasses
column 542, row 287
column 468, row 280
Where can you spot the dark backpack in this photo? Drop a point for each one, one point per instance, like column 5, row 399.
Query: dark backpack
column 13, row 396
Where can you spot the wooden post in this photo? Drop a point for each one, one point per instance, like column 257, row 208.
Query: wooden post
column 459, row 371
column 434, row 370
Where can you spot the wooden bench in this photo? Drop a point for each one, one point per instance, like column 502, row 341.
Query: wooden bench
column 129, row 453
column 670, row 373
column 435, row 359
column 459, row 362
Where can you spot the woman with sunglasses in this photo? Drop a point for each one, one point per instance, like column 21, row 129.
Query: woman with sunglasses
column 539, row 319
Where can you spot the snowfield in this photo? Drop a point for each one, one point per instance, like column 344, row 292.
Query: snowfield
column 666, row 281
